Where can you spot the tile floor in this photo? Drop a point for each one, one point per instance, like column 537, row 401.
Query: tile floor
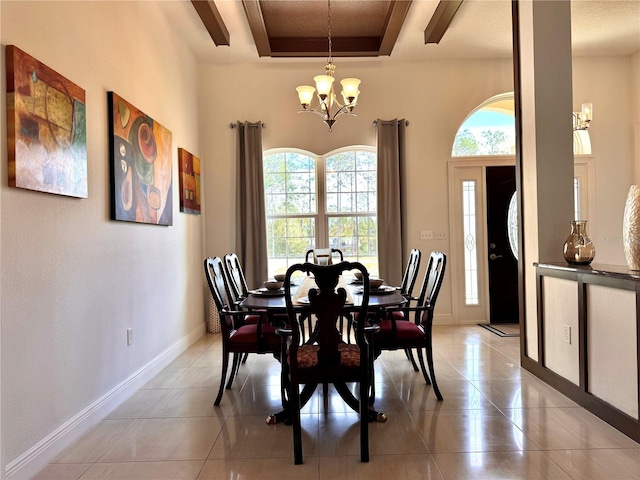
column 496, row 421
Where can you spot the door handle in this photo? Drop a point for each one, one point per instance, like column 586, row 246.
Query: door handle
column 493, row 256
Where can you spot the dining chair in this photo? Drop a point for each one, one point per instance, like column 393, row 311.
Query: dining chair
column 316, row 255
column 410, row 274
column 236, row 275
column 238, row 290
column 326, row 358
column 409, row 278
column 238, row 336
column 396, row 334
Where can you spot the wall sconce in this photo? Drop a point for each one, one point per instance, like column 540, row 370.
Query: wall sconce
column 582, row 119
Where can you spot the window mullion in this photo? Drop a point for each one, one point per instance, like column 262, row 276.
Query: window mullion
column 322, row 226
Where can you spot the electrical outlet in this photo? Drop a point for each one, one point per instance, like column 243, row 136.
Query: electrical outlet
column 426, row 235
column 129, row 336
column 567, row 334
column 442, row 236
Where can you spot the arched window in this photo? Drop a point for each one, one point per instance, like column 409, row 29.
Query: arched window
column 488, row 130
column 321, row 201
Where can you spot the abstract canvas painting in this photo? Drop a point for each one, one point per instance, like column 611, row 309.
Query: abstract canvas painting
column 46, row 128
column 141, row 176
column 189, row 168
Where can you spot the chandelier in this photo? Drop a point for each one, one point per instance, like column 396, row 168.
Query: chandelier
column 582, row 119
column 328, row 105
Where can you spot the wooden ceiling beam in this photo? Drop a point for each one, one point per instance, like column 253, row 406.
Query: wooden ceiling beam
column 441, row 19
column 397, row 16
column 318, row 47
column 258, row 28
column 345, row 46
column 212, row 21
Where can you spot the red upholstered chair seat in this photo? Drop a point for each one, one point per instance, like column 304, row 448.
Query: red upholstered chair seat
column 248, row 335
column 404, row 331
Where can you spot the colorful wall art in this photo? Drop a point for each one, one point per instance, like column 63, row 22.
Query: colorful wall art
column 46, row 128
column 141, row 180
column 189, row 168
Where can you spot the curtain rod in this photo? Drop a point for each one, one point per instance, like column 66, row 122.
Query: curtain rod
column 235, row 125
column 406, row 123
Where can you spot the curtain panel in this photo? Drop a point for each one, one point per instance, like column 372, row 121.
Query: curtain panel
column 251, row 230
column 391, row 202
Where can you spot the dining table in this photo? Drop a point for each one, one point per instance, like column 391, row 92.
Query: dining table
column 272, row 303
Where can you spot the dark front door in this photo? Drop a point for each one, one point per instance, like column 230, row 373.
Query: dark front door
column 503, row 265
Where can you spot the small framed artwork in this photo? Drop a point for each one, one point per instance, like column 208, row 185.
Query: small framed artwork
column 141, row 173
column 189, row 169
column 46, row 128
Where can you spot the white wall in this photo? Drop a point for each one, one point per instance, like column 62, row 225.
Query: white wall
column 609, row 84
column 434, row 96
column 72, row 281
column 635, row 91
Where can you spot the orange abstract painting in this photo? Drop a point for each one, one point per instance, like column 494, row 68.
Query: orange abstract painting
column 46, row 128
column 189, row 169
column 141, row 174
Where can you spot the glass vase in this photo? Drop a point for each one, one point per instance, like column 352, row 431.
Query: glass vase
column 579, row 249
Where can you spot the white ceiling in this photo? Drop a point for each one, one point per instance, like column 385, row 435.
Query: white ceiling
column 480, row 29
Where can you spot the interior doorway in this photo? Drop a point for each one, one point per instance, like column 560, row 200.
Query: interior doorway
column 484, row 143
column 502, row 259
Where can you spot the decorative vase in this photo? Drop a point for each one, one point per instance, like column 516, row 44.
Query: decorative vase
column 579, row 249
column 631, row 228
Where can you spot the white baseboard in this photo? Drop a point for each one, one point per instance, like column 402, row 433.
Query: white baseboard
column 41, row 454
column 443, row 319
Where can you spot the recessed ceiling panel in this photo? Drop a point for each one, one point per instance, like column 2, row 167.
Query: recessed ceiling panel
column 292, row 28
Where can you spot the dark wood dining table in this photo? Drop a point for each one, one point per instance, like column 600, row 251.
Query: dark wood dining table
column 273, row 303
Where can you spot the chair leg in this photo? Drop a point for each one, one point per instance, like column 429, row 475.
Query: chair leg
column 364, row 418
column 432, row 372
column 409, row 353
column 297, row 426
column 284, row 378
column 241, row 360
column 423, row 367
column 225, row 365
column 234, row 369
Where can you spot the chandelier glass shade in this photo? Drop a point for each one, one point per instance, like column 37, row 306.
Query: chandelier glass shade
column 328, row 105
column 582, row 119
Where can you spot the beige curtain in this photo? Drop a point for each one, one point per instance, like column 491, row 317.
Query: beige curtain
column 391, row 201
column 251, row 230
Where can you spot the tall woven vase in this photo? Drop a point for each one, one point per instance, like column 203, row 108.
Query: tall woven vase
column 631, row 228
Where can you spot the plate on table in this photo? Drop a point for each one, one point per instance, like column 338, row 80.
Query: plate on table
column 382, row 290
column 355, row 281
column 264, row 292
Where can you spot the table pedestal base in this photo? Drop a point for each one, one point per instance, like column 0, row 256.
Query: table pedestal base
column 307, row 393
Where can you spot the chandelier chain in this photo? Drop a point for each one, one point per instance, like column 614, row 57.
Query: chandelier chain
column 329, row 107
column 329, row 29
